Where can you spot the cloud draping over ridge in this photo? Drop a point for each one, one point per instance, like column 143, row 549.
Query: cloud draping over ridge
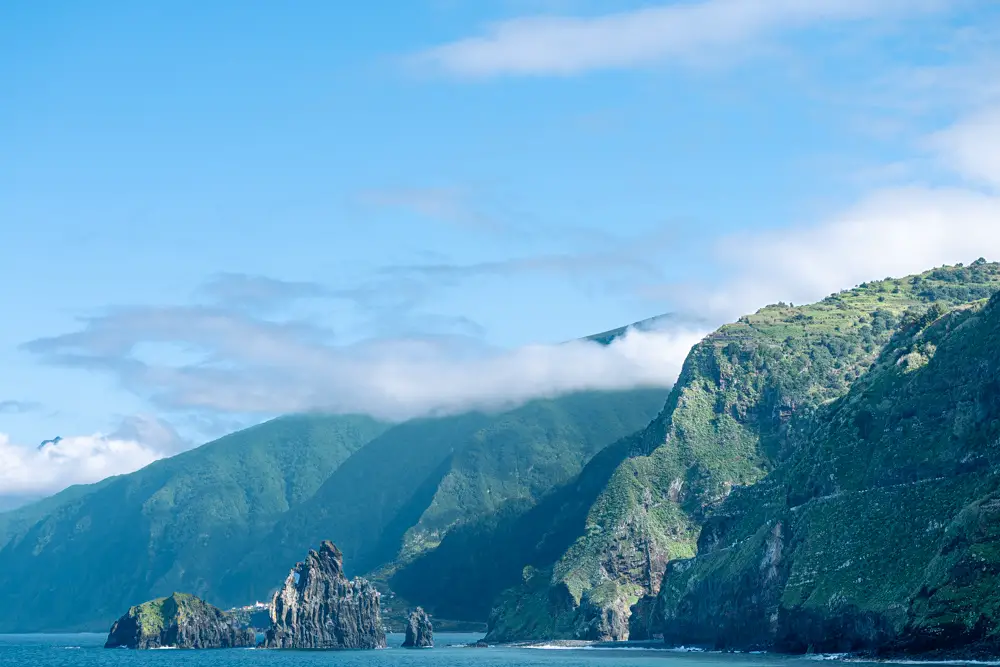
column 241, row 364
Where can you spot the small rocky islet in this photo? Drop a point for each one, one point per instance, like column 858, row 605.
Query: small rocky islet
column 318, row 607
column 181, row 621
column 419, row 630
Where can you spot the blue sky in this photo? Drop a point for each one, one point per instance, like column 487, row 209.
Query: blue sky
column 216, row 212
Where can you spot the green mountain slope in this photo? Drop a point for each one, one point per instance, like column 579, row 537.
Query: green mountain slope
column 76, row 560
column 402, row 492
column 226, row 520
column 882, row 529
column 726, row 425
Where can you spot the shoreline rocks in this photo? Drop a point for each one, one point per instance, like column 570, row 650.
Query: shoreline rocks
column 319, row 608
column 419, row 630
column 180, row 621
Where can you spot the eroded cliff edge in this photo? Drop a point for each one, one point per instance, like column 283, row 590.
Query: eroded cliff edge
column 881, row 532
column 732, row 419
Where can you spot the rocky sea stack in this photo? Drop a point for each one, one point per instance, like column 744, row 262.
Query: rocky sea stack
column 181, row 621
column 419, row 631
column 319, row 608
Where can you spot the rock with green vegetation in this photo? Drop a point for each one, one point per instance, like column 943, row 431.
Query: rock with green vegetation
column 319, row 608
column 224, row 521
column 178, row 621
column 419, row 630
column 879, row 532
column 729, row 421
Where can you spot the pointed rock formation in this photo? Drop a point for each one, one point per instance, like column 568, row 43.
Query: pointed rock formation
column 181, row 621
column 419, row 631
column 318, row 607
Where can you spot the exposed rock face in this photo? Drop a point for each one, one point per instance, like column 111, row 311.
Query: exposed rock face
column 733, row 417
column 598, row 620
column 880, row 532
column 419, row 631
column 319, row 608
column 644, row 622
column 181, row 621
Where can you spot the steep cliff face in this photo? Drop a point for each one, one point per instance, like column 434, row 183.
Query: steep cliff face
column 319, row 608
column 180, row 621
column 880, row 531
column 729, row 422
column 419, row 631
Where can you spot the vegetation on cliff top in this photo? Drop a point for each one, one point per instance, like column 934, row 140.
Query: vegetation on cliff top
column 727, row 424
column 179, row 620
column 879, row 530
column 155, row 615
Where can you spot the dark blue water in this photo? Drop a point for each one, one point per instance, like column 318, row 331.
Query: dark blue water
column 87, row 650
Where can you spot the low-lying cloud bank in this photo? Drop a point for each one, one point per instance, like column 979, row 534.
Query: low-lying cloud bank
column 257, row 368
column 33, row 471
column 248, row 366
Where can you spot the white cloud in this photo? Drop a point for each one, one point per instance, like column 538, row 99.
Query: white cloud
column 264, row 369
column 893, row 231
column 971, row 147
column 680, row 31
column 443, row 204
column 30, row 471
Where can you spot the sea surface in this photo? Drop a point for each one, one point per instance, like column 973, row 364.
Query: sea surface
column 88, row 650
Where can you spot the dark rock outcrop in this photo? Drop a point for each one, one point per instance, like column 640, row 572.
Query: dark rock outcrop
column 602, row 621
column 644, row 622
column 319, row 608
column 181, row 621
column 419, row 631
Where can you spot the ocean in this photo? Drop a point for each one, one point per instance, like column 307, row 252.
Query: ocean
column 86, row 650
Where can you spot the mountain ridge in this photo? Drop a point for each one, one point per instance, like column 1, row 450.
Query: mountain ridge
column 194, row 522
column 879, row 532
column 726, row 425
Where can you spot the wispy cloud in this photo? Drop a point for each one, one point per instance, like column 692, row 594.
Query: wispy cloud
column 245, row 353
column 442, row 204
column 971, row 147
column 607, row 260
column 255, row 366
column 894, row 232
column 680, row 31
column 891, row 231
column 154, row 433
column 11, row 407
column 259, row 293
